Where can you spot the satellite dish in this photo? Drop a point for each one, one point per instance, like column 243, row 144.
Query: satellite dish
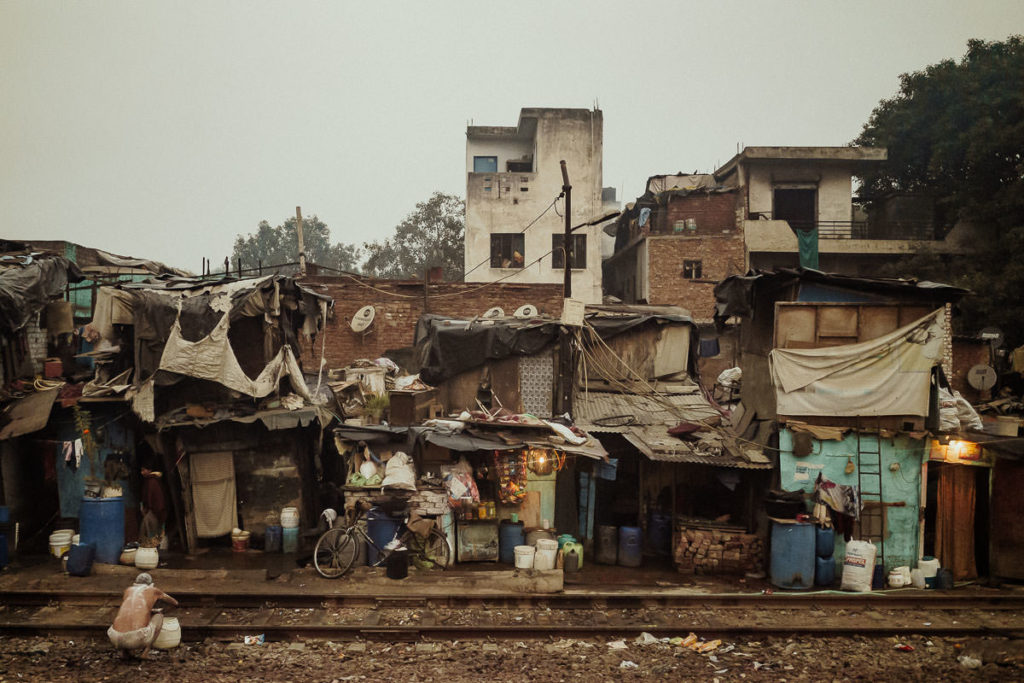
column 363, row 318
column 993, row 335
column 982, row 377
column 526, row 311
column 496, row 312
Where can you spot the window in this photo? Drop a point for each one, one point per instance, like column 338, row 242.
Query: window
column 485, row 164
column 692, row 270
column 507, row 250
column 579, row 251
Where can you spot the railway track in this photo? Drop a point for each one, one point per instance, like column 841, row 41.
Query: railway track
column 285, row 617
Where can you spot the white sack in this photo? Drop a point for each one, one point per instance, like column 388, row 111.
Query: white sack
column 858, row 566
column 399, row 472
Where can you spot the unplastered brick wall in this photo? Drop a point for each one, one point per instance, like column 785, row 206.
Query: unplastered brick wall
column 711, row 213
column 399, row 305
column 700, row 550
column 671, row 284
column 424, row 502
column 36, row 337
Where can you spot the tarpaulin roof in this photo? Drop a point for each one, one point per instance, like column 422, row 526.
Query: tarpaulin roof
column 448, row 346
column 28, row 281
column 656, row 443
column 735, row 294
column 28, row 414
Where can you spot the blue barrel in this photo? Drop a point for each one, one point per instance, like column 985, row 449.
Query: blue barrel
column 290, row 539
column 607, row 544
column 630, row 546
column 510, row 534
column 825, row 542
column 101, row 522
column 3, row 551
column 792, row 562
column 824, row 571
column 5, row 514
column 382, row 528
column 80, row 559
column 659, row 532
column 272, row 539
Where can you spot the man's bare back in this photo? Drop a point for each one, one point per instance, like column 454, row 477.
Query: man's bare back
column 135, row 626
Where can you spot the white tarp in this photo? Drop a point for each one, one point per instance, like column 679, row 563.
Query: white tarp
column 889, row 375
column 212, row 358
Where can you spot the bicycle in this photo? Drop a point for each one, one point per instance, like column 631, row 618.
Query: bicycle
column 336, row 550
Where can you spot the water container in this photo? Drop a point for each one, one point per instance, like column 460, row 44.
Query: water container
column 630, row 550
column 3, row 551
column 944, row 579
column 524, row 555
column 510, row 534
column 878, row 578
column 571, row 561
column 272, row 539
column 80, row 559
column 547, row 554
column 825, row 541
column 607, row 544
column 60, row 542
column 565, row 538
column 382, row 528
column 824, row 571
column 398, row 564
column 147, row 558
column 792, row 560
column 659, row 532
column 170, row 634
column 929, row 568
column 576, row 549
column 289, row 517
column 101, row 522
column 534, row 535
column 290, row 539
column 5, row 514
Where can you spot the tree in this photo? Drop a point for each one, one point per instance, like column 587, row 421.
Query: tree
column 432, row 235
column 274, row 246
column 956, row 131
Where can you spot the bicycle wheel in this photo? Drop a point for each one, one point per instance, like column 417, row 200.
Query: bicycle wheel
column 432, row 552
column 335, row 552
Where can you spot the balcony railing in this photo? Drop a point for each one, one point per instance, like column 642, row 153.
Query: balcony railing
column 862, row 230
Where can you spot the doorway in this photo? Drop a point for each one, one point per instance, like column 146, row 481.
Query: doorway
column 797, row 206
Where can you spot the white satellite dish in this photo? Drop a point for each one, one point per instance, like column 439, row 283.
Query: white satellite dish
column 363, row 318
column 496, row 312
column 982, row 377
column 526, row 311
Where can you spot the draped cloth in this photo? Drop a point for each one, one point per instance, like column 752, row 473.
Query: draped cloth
column 954, row 520
column 213, row 493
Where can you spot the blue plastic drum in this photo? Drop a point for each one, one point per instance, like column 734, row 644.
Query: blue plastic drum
column 101, row 523
column 630, row 546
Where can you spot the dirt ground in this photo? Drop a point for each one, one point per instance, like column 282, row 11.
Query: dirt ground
column 551, row 659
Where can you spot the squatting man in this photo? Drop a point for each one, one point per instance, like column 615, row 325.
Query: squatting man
column 137, row 625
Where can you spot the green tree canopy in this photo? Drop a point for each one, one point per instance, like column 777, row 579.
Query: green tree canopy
column 430, row 236
column 274, row 246
column 956, row 130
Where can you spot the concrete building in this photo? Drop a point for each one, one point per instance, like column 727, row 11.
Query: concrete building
column 512, row 176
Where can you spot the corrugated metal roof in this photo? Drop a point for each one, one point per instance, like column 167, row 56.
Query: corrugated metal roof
column 709, row 449
column 594, row 410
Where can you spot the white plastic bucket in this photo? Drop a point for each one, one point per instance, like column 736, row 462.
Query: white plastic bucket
column 546, row 555
column 60, row 542
column 929, row 568
column 524, row 556
column 289, row 517
column 917, row 578
column 170, row 634
column 147, row 558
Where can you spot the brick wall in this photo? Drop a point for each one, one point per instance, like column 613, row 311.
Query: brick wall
column 36, row 337
column 399, row 305
column 720, row 256
column 713, row 213
column 702, row 550
column 966, row 354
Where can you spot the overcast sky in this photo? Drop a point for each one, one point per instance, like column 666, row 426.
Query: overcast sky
column 163, row 130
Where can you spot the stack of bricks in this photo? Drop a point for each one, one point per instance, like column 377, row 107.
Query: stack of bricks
column 426, row 501
column 715, row 551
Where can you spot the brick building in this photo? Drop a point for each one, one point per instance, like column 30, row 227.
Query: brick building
column 398, row 305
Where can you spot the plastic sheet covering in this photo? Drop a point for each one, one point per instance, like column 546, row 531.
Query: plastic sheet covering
column 889, row 375
column 28, row 414
column 211, row 358
column 28, row 283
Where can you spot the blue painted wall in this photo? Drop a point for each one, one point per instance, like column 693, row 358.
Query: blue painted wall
column 903, row 485
column 116, row 436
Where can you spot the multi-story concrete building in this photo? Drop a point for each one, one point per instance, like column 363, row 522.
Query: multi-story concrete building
column 513, row 175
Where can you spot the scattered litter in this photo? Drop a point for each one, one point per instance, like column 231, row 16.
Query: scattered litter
column 521, row 644
column 929, row 643
column 713, row 658
column 969, row 662
column 626, row 664
column 728, row 648
column 255, row 640
column 758, row 665
column 927, row 623
column 720, row 671
column 617, row 645
column 646, row 638
column 903, row 647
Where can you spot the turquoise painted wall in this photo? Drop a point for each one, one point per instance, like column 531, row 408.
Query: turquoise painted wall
column 903, row 485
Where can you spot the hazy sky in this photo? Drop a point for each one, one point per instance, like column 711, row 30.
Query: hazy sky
column 164, row 129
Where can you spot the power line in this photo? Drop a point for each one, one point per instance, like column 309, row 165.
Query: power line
column 528, row 226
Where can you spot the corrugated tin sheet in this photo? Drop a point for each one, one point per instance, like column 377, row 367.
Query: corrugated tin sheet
column 710, row 449
column 595, row 410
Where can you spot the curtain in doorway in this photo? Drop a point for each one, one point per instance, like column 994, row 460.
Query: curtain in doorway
column 954, row 521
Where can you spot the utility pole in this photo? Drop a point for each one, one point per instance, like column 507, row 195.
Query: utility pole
column 567, row 246
column 302, row 244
